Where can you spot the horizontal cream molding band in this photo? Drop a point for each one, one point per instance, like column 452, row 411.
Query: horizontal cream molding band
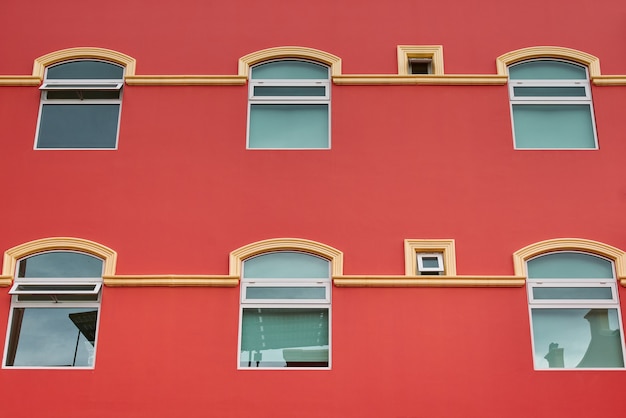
column 428, row 79
column 19, row 80
column 6, row 281
column 609, row 80
column 185, row 80
column 429, row 281
column 170, row 280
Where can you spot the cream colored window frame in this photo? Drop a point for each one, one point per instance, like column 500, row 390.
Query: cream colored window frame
column 413, row 247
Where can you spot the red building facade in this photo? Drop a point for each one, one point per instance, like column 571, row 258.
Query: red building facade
column 453, row 171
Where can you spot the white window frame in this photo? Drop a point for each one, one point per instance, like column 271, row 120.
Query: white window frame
column 76, row 85
column 289, row 100
column 420, row 263
column 322, row 303
column 535, row 304
column 16, row 303
column 548, row 100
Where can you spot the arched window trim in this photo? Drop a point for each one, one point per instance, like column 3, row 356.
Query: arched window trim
column 289, row 52
column 521, row 256
column 238, row 256
column 69, row 54
column 12, row 255
column 557, row 52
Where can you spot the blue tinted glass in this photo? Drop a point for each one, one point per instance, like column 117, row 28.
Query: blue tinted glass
column 547, row 70
column 78, row 126
column 85, row 70
column 58, row 264
column 286, row 265
column 569, row 265
column 301, row 70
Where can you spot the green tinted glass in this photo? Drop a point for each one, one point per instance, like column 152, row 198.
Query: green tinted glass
column 316, row 91
column 553, row 126
column 289, row 126
column 294, row 70
column 286, row 265
column 569, row 265
column 560, row 91
column 597, row 293
column 85, row 70
column 293, row 292
column 60, row 264
column 547, row 70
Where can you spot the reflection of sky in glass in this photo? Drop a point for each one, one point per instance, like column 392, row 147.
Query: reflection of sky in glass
column 566, row 327
column 60, row 264
column 49, row 338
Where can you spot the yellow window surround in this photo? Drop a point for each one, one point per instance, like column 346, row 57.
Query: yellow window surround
column 404, row 54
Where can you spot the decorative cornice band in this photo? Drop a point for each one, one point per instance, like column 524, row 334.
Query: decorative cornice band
column 19, row 80
column 609, row 80
column 426, row 79
column 6, row 281
column 170, row 280
column 429, row 281
column 185, row 80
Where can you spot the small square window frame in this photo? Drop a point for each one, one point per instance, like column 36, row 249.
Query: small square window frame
column 431, row 52
column 413, row 247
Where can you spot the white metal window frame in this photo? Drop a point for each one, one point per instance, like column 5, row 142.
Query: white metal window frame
column 576, row 283
column 294, row 304
column 423, row 269
column 79, row 84
column 285, row 283
column 547, row 100
column 289, row 100
column 16, row 303
column 535, row 304
column 62, row 288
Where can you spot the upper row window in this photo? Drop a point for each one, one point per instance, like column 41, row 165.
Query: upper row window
column 80, row 106
column 551, row 105
column 289, row 105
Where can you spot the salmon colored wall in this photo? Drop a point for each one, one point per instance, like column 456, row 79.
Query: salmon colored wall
column 182, row 191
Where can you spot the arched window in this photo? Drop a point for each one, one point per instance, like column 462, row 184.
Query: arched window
column 551, row 105
column 289, row 105
column 54, row 310
column 80, row 105
column 285, row 311
column 574, row 311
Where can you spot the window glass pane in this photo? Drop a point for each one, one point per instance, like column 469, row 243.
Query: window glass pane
column 52, row 337
column 284, row 337
column 289, row 126
column 59, row 264
column 85, row 70
column 275, row 292
column 290, row 70
column 290, row 91
column 547, row 70
column 54, row 288
column 569, row 265
column 286, row 265
column 553, row 126
column 430, row 262
column 572, row 293
column 91, row 297
column 78, row 126
column 576, row 338
column 561, row 91
column 82, row 95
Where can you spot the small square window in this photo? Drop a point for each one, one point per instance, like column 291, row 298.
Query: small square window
column 430, row 264
column 420, row 66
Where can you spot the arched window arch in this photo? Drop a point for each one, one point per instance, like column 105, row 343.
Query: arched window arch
column 81, row 98
column 285, row 309
column 574, row 305
column 550, row 96
column 55, row 302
